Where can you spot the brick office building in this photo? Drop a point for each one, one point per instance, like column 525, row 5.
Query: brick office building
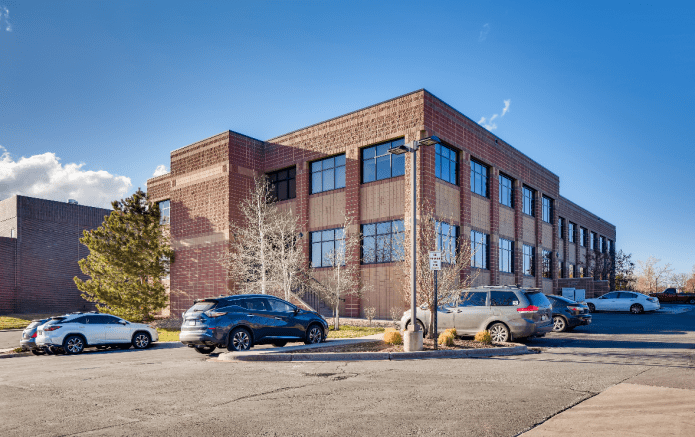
column 509, row 204
column 39, row 250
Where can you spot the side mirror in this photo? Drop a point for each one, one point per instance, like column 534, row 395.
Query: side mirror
column 296, row 311
column 123, row 322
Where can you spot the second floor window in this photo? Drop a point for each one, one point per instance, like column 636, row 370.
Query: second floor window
column 506, row 191
column 328, row 174
column 561, row 227
column 506, row 248
column 382, row 242
column 547, row 209
column 571, row 270
column 529, row 260
column 547, row 264
column 582, row 236
column 572, row 232
column 446, row 241
column 284, row 183
column 480, row 249
column 445, row 164
column 378, row 163
column 592, row 241
column 529, row 201
column 478, row 178
column 327, row 248
column 165, row 212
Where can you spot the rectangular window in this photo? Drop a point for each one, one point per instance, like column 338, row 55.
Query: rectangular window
column 547, row 209
column 602, row 245
column 561, row 269
column 572, row 233
column 547, row 264
column 611, row 246
column 582, row 237
column 561, row 228
column 327, row 248
column 446, row 164
column 571, row 271
column 506, row 191
column 529, row 201
column 506, row 248
column 447, row 236
column 529, row 260
column 328, row 174
column 165, row 212
column 478, row 178
column 382, row 242
column 378, row 163
column 284, row 184
column 592, row 241
column 479, row 249
column 581, row 271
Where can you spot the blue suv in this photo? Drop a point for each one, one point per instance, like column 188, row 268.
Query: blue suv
column 238, row 322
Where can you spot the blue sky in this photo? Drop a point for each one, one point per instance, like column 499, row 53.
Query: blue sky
column 94, row 95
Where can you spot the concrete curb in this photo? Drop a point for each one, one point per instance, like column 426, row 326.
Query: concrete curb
column 371, row 356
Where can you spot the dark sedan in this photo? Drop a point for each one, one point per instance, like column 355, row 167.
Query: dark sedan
column 238, row 322
column 568, row 314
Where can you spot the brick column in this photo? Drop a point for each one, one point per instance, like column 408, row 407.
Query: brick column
column 555, row 249
column 538, row 212
column 353, row 305
column 465, row 193
column 494, row 226
column 302, row 204
column 519, row 233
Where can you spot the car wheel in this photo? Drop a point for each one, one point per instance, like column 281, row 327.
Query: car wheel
column 592, row 307
column 239, row 340
column 279, row 343
column 73, row 344
column 692, row 301
column 141, row 340
column 559, row 324
column 204, row 349
column 38, row 351
column 314, row 335
column 420, row 326
column 499, row 333
column 636, row 309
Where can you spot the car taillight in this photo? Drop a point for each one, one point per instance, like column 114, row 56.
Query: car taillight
column 576, row 309
column 52, row 328
column 528, row 309
column 652, row 299
column 215, row 313
column 34, row 335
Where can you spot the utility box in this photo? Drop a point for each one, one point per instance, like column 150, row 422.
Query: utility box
column 568, row 293
column 577, row 295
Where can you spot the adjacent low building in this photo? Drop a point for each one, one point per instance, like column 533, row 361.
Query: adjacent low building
column 508, row 204
column 39, row 250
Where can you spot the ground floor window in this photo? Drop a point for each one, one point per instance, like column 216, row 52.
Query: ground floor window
column 529, row 260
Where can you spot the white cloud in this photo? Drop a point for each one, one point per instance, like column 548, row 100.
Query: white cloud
column 484, row 32
column 5, row 19
column 160, row 170
column 45, row 177
column 488, row 124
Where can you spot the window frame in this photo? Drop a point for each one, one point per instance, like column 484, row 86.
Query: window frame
column 393, row 254
column 529, row 254
column 505, row 255
column 446, row 254
column 547, row 267
column 571, row 232
column 164, row 218
column 531, row 199
column 475, row 164
column 323, row 170
column 561, row 227
column 291, row 181
column 321, row 243
column 439, row 157
column 485, row 244
column 547, row 209
column 504, row 189
column 399, row 158
column 582, row 236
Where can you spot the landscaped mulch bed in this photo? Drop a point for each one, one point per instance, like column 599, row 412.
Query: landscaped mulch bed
column 380, row 346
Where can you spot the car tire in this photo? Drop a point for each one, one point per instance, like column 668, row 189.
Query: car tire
column 204, row 349
column 636, row 309
column 421, row 327
column 38, row 351
column 559, row 324
column 499, row 333
column 239, row 340
column 141, row 340
column 592, row 307
column 314, row 334
column 279, row 343
column 73, row 344
column 692, row 301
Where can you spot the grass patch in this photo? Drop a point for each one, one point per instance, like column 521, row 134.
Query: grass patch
column 168, row 334
column 346, row 331
column 13, row 323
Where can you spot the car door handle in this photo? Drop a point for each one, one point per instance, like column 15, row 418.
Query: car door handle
column 249, row 315
column 278, row 318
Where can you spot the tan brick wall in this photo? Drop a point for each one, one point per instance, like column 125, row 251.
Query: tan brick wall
column 507, row 223
column 547, row 236
column 529, row 230
column 480, row 213
column 448, row 204
column 327, row 210
column 382, row 199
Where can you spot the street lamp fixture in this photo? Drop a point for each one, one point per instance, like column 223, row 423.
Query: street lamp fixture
column 413, row 339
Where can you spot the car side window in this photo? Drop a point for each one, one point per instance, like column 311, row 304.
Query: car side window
column 503, row 298
column 81, row 320
column 627, row 296
column 473, row 299
column 610, row 296
column 280, row 306
column 97, row 320
column 257, row 304
column 111, row 320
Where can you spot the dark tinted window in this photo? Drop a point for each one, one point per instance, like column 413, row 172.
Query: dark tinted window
column 283, row 183
column 529, row 204
column 202, row 306
column 111, row 320
column 280, row 306
column 547, row 209
column 610, row 296
column 97, row 320
column 328, row 174
column 506, row 191
column 473, row 299
column 254, row 303
column 503, row 298
column 627, row 296
column 445, row 164
column 538, row 299
column 81, row 320
column 478, row 178
column 378, row 163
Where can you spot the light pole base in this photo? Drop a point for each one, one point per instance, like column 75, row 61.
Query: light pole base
column 412, row 341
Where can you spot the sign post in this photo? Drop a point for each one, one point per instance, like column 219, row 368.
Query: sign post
column 436, row 265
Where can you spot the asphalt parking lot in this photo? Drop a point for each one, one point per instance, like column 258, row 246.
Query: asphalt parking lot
column 171, row 390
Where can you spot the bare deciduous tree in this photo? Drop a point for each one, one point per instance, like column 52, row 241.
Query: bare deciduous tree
column 680, row 280
column 651, row 275
column 455, row 259
column 624, row 271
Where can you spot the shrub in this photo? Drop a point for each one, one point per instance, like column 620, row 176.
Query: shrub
column 452, row 331
column 446, row 338
column 391, row 336
column 483, row 337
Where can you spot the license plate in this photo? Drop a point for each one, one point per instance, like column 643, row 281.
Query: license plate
column 40, row 332
column 191, row 323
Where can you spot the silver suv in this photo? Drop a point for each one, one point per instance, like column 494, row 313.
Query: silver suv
column 507, row 312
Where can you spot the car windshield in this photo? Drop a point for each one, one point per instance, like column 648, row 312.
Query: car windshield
column 537, row 298
column 202, row 306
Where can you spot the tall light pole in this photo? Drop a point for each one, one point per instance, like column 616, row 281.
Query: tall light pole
column 413, row 339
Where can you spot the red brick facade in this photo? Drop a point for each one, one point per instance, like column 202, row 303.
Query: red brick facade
column 38, row 263
column 210, row 177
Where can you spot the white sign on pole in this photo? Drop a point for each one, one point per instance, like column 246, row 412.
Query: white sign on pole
column 435, row 260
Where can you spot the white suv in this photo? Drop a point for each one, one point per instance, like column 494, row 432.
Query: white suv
column 76, row 331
